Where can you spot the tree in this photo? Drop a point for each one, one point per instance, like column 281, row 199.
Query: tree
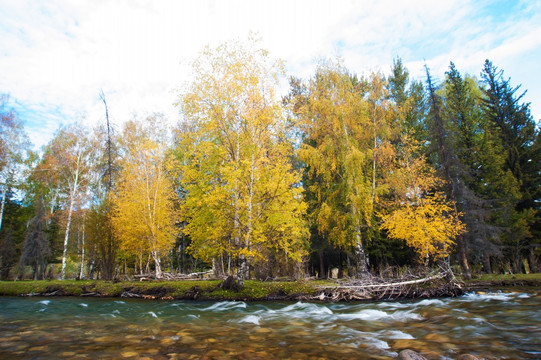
column 36, row 245
column 7, row 253
column 13, row 147
column 346, row 133
column 422, row 216
column 103, row 244
column 485, row 192
column 144, row 214
column 409, row 101
column 242, row 196
column 520, row 138
column 67, row 157
column 445, row 160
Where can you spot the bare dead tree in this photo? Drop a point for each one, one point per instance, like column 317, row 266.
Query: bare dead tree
column 109, row 170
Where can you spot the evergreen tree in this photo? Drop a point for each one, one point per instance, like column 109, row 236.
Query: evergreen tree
column 409, row 99
column 7, row 253
column 445, row 160
column 520, row 139
column 483, row 190
column 36, row 245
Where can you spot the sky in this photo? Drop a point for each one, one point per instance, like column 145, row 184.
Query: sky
column 57, row 55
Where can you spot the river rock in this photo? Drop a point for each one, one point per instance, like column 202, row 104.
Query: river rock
column 468, row 357
column 167, row 342
column 437, row 338
column 128, row 354
column 410, row 355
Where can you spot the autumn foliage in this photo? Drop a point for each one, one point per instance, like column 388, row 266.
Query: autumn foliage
column 359, row 173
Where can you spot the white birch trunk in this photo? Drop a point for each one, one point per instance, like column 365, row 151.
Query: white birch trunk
column 374, row 158
column 236, row 223
column 360, row 255
column 66, row 239
column 158, row 264
column 3, row 204
column 73, row 193
column 82, row 253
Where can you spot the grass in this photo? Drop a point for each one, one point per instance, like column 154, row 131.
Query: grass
column 205, row 289
column 210, row 289
column 505, row 277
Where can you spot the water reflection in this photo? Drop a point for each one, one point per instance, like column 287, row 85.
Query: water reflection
column 499, row 325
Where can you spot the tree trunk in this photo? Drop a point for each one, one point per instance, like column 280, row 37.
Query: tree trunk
column 66, row 237
column 91, row 269
column 236, row 225
column 374, row 157
column 464, row 265
column 158, row 264
column 35, row 270
column 322, row 273
column 4, row 187
column 242, row 271
column 73, row 192
column 243, row 265
column 360, row 256
column 351, row 270
column 534, row 265
column 340, row 267
column 82, row 266
column 486, row 264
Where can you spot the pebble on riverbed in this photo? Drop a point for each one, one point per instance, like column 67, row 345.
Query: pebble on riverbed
column 468, row 357
column 410, row 355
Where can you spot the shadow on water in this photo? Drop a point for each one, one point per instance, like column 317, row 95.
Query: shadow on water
column 499, row 325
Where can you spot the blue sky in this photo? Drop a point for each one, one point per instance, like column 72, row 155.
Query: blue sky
column 56, row 55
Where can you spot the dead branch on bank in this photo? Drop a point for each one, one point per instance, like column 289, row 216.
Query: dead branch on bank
column 174, row 277
column 441, row 284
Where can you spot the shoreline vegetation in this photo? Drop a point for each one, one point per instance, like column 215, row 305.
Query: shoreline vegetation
column 330, row 290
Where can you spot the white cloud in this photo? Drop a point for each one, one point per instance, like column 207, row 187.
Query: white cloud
column 62, row 53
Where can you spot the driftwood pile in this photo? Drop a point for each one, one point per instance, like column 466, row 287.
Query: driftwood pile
column 373, row 288
column 174, row 276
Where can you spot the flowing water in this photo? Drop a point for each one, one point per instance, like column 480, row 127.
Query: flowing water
column 493, row 325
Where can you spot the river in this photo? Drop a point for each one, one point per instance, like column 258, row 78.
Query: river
column 493, row 325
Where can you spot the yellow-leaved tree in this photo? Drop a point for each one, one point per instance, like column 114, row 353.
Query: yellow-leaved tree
column 420, row 215
column 144, row 213
column 344, row 124
column 243, row 200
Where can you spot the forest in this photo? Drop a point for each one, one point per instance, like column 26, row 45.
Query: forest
column 347, row 173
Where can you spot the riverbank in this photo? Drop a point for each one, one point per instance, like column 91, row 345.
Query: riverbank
column 163, row 290
column 309, row 290
column 500, row 282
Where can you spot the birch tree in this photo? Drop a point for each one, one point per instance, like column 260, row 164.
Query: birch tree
column 242, row 194
column 340, row 131
column 67, row 156
column 144, row 214
column 419, row 214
